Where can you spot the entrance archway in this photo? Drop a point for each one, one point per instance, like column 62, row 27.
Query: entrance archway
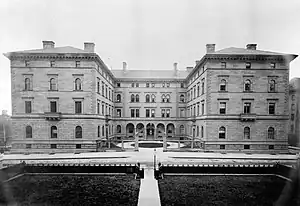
column 170, row 130
column 160, row 130
column 140, row 130
column 130, row 130
column 150, row 128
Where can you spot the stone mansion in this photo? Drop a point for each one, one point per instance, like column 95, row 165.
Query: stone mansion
column 65, row 98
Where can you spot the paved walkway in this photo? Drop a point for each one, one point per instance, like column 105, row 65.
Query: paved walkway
column 149, row 193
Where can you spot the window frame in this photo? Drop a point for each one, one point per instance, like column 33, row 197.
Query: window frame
column 78, row 132
column 53, row 134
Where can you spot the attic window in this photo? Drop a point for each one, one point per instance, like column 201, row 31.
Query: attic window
column 248, row 65
column 26, row 63
column 77, row 63
column 223, row 65
column 272, row 65
column 52, row 63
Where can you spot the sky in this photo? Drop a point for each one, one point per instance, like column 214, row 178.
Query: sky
column 147, row 34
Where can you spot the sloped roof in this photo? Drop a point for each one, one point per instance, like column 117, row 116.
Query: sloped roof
column 145, row 74
column 242, row 51
column 65, row 49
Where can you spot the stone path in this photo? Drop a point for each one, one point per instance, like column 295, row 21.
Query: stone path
column 149, row 193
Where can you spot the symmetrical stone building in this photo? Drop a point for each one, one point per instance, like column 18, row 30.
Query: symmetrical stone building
column 294, row 131
column 233, row 99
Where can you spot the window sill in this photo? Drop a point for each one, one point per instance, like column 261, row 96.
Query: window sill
column 78, row 90
column 27, row 90
column 53, row 90
column 221, row 91
column 248, row 91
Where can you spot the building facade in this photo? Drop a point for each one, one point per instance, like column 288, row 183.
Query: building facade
column 65, row 99
column 294, row 131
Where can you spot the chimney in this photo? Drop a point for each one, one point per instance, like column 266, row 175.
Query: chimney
column 124, row 66
column 89, row 47
column 175, row 66
column 48, row 44
column 251, row 46
column 210, row 48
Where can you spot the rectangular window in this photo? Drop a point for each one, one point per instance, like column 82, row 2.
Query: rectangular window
column 223, row 65
column 53, row 107
column 26, row 63
column 152, row 113
column 118, row 85
column 181, row 85
column 78, row 107
column 182, row 113
column 102, row 88
column 102, row 109
column 137, row 85
column 119, row 112
column 247, row 108
column 52, row 63
column 27, row 106
column 147, row 112
column 222, row 107
column 98, row 85
column 132, row 84
column 248, row 65
column 147, row 84
column 246, row 146
column 168, row 84
column 153, row 85
column 198, row 109
column 77, row 63
column 168, row 113
column 272, row 65
column 271, row 108
column 163, row 113
column 202, row 108
column 28, row 146
column 78, row 146
column 271, row 146
column 137, row 112
column 98, row 107
column 132, row 112
column 53, row 146
column 222, row 146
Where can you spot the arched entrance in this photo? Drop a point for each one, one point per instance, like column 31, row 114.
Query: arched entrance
column 150, row 128
column 130, row 130
column 160, row 130
column 140, row 130
column 170, row 130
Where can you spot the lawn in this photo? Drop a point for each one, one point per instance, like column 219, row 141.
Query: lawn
column 150, row 145
column 71, row 190
column 221, row 190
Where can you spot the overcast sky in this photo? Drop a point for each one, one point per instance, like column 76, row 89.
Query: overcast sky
column 147, row 34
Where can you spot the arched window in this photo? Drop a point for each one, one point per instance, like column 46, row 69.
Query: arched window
column 78, row 132
column 223, row 85
column 152, row 98
column 27, row 84
column 271, row 133
column 293, row 107
column 118, row 97
column 132, row 98
column 202, row 131
column 247, row 85
column 272, row 84
column 137, row 98
column 103, row 131
column 246, row 133
column 98, row 131
column 197, row 131
column 147, row 98
column 168, row 98
column 53, row 84
column 77, row 84
column 222, row 132
column 181, row 129
column 163, row 98
column 181, row 98
column 53, row 132
column 293, row 97
column 119, row 129
column 28, row 132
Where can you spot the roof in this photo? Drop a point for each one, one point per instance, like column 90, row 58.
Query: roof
column 148, row 74
column 242, row 51
column 65, row 49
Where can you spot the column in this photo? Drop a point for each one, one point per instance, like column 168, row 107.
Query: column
column 145, row 132
column 136, row 138
column 164, row 141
